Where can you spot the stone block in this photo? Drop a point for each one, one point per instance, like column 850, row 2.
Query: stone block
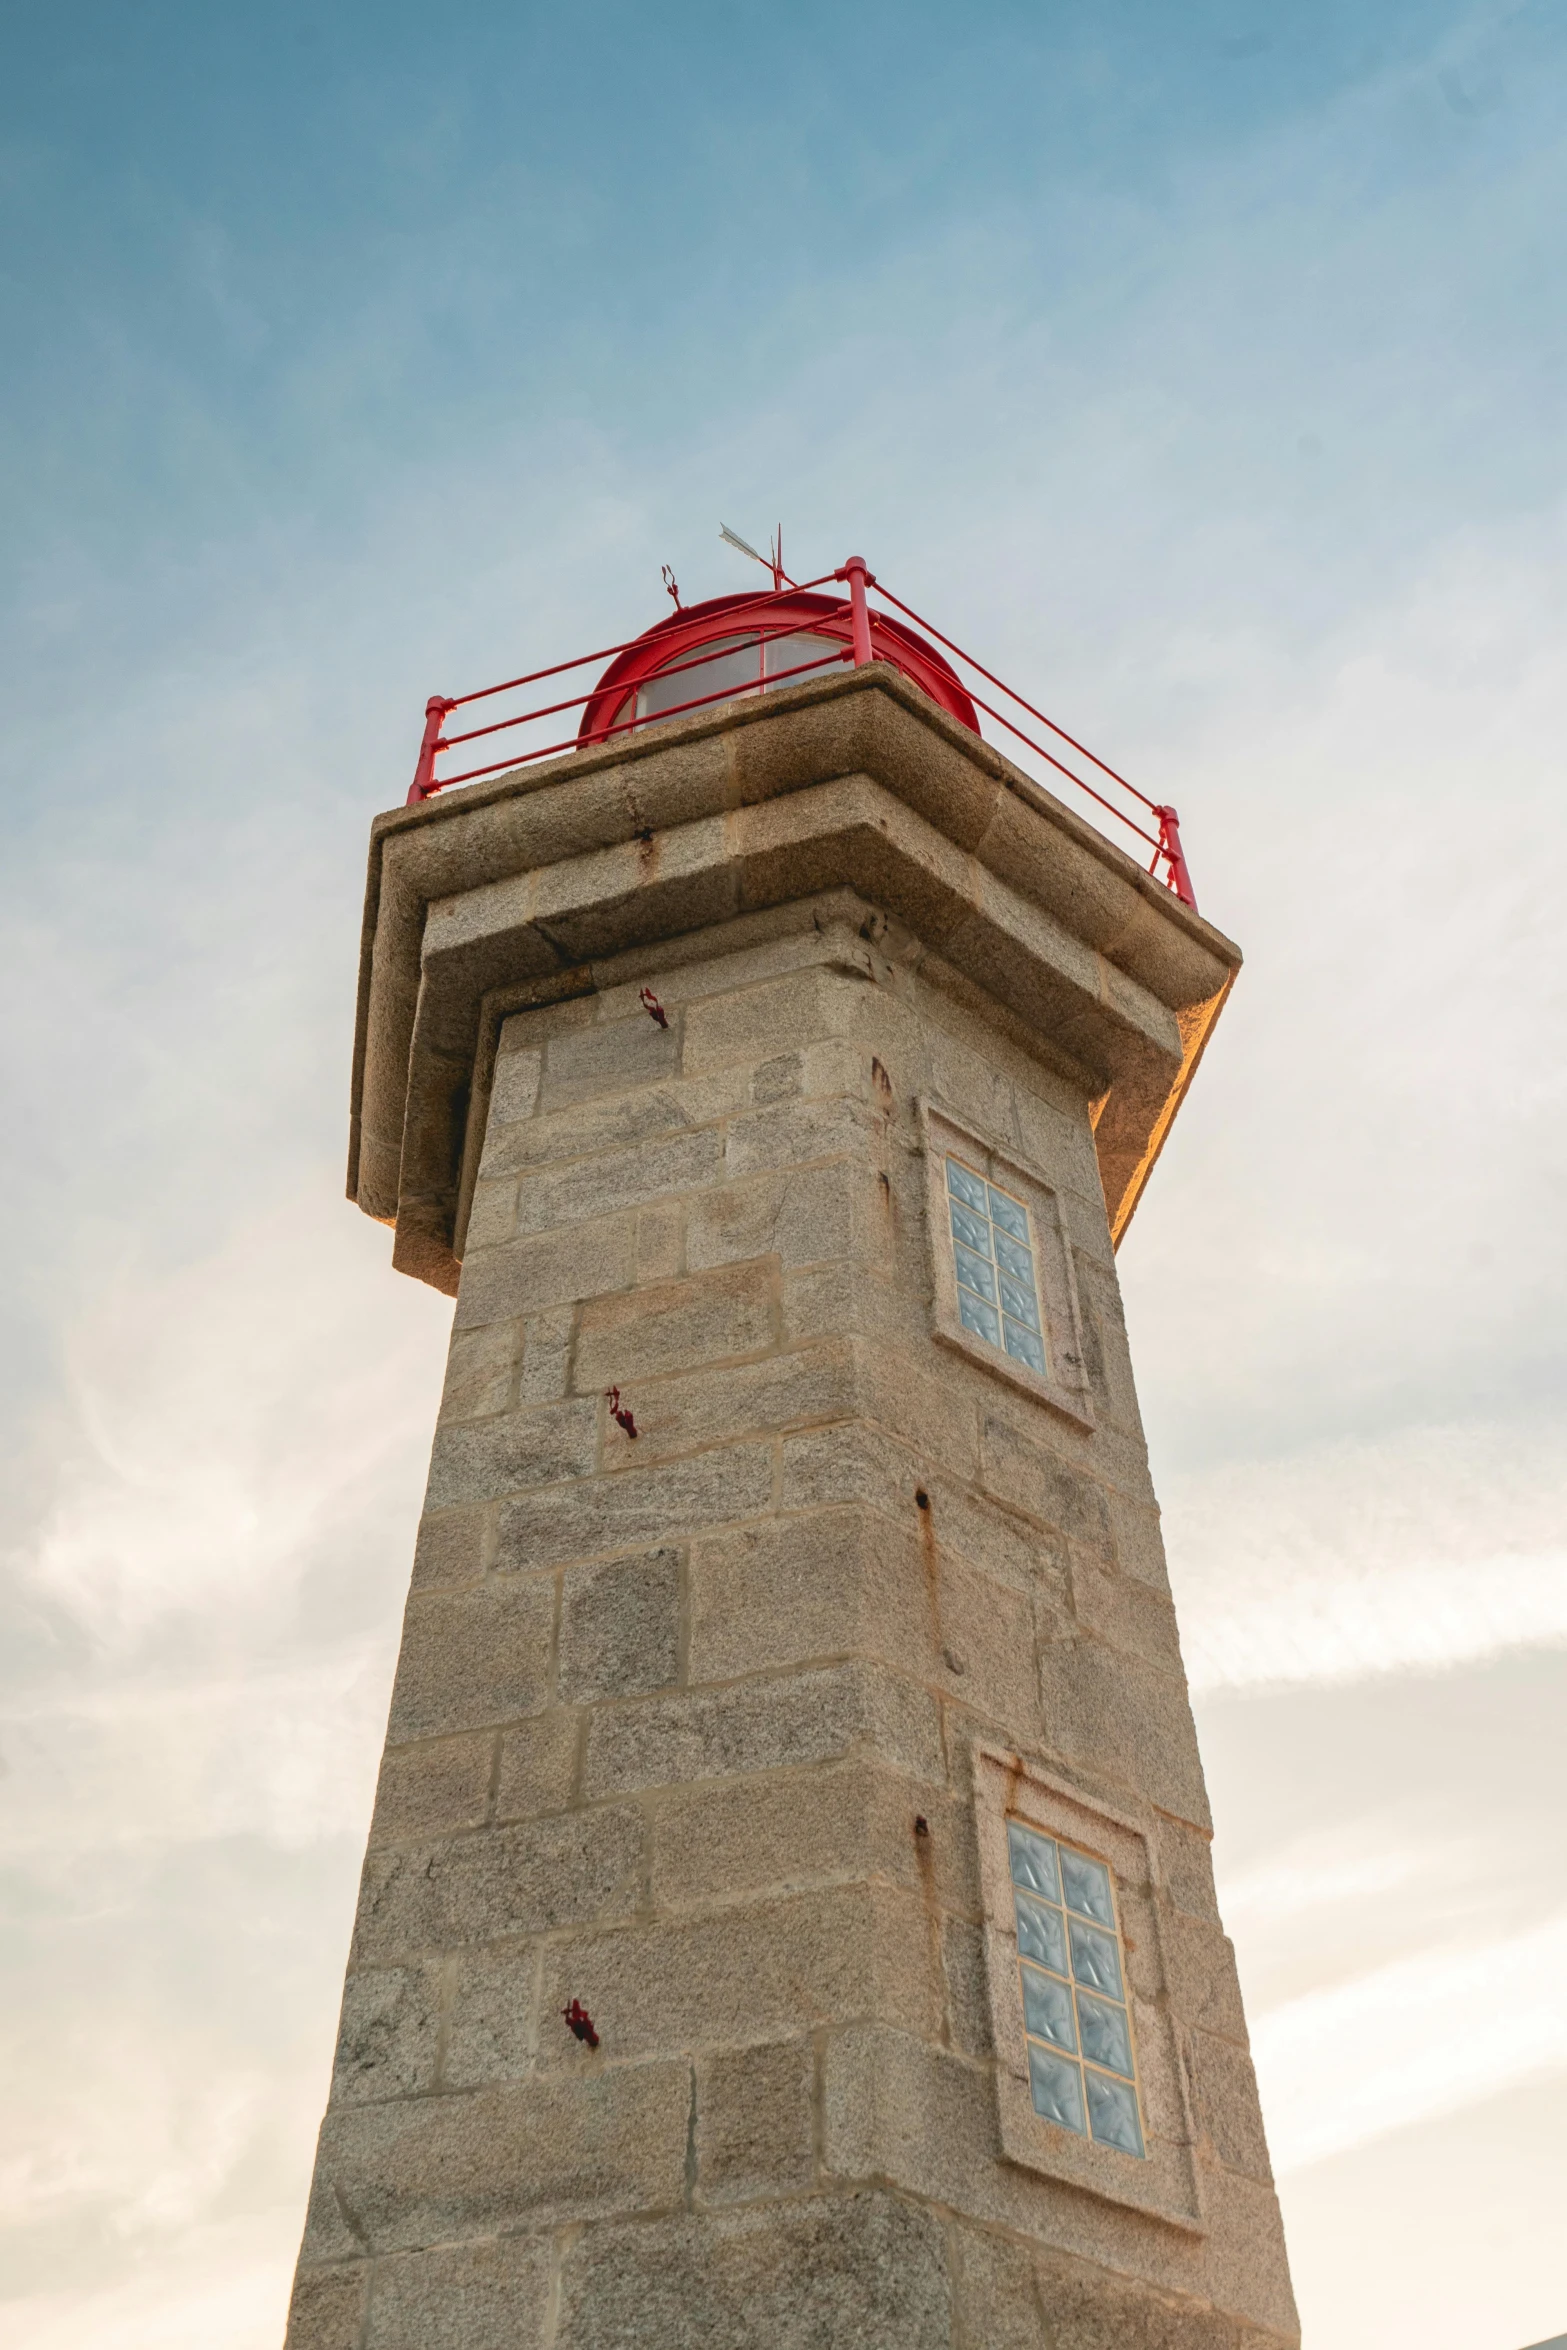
column 514, row 1088
column 998, row 2293
column 744, row 1974
column 487, row 2296
column 606, row 1058
column 928, row 1399
column 1224, row 2091
column 753, row 2122
column 780, row 1079
column 538, row 1765
column 640, row 1508
column 444, row 2170
column 479, row 1460
column 801, row 1216
column 492, row 1213
column 492, row 2031
column 1108, row 1355
column 675, row 1325
column 620, row 1627
column 661, row 1241
column 470, row 1658
column 546, row 1354
column 1054, row 1135
column 763, row 1726
column 1122, row 1718
column 550, row 1269
column 501, row 1881
column 965, row 1073
column 327, row 2308
column 1125, row 1611
column 835, row 1065
column 985, row 1657
column 848, row 1582
column 481, row 1371
column 1183, row 1865
column 970, row 1526
column 839, row 1821
column 697, row 1408
column 387, row 2035
column 865, row 2270
column 1204, row 1986
column 601, row 1186
column 826, row 1467
column 792, row 1591
column 849, row 1300
column 438, row 1785
column 1100, row 2313
column 795, row 1133
column 450, row 1549
column 871, row 1467
column 617, row 1121
column 1248, row 2271
column 1045, row 1487
column 1139, row 1540
column 894, row 2108
column 331, row 2235
column 755, row 1023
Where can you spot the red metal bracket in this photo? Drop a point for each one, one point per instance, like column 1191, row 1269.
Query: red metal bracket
column 1171, row 851
column 859, row 580
column 424, row 785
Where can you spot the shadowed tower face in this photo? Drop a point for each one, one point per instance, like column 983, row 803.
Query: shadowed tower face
column 788, row 1917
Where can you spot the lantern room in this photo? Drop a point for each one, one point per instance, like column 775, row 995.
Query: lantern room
column 738, row 645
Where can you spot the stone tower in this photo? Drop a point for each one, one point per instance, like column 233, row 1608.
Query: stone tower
column 787, row 1921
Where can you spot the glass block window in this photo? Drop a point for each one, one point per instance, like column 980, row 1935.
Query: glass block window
column 1076, row 2027
column 993, row 1249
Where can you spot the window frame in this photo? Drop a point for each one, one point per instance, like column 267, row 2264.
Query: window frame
column 1064, row 1384
column 1164, row 2181
column 1067, row 1977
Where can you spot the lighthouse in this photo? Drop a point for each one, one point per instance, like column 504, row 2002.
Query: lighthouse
column 787, row 1919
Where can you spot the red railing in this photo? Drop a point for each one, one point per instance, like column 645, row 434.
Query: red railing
column 750, row 615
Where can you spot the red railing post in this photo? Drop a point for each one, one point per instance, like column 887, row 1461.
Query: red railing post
column 423, row 784
column 1174, row 856
column 859, row 580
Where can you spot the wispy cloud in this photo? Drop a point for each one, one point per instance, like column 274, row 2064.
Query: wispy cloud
column 1408, row 1553
column 225, row 2284
column 1422, row 2037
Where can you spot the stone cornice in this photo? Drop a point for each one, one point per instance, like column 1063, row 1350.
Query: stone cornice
column 542, row 882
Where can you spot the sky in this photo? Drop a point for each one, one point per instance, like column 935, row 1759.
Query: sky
column 1199, row 367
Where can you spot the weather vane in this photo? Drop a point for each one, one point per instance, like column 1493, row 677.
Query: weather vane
column 772, row 561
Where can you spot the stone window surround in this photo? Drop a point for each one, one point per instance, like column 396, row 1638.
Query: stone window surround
column 1064, row 1386
column 1165, row 2184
